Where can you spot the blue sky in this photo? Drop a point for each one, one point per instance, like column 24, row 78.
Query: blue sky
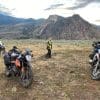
column 88, row 9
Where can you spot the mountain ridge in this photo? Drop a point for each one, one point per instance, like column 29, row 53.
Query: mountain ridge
column 55, row 26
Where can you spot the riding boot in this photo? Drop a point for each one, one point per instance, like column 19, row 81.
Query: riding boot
column 49, row 53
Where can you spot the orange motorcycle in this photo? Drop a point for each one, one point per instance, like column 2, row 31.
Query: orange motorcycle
column 19, row 65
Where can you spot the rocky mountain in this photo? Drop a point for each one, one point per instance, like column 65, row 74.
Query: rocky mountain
column 55, row 26
column 73, row 27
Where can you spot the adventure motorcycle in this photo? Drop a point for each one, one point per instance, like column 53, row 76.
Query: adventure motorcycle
column 95, row 61
column 19, row 65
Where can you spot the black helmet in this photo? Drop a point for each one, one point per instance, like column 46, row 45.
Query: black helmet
column 14, row 47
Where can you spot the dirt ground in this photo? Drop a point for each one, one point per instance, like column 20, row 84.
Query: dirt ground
column 66, row 76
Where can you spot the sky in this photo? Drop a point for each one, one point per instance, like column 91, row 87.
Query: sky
column 88, row 9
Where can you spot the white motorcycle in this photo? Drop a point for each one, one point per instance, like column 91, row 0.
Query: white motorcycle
column 95, row 65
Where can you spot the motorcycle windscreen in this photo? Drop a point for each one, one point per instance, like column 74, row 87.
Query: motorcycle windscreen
column 28, row 57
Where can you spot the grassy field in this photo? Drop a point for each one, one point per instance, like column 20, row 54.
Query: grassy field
column 66, row 76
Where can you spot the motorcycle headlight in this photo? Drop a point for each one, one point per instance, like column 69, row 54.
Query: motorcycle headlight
column 28, row 58
column 90, row 61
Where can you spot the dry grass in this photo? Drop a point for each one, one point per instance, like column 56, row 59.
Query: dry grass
column 66, row 76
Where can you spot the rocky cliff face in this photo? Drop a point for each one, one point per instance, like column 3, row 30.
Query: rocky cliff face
column 73, row 27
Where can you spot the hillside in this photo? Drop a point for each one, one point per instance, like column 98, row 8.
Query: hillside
column 57, row 27
column 17, row 31
column 17, row 28
column 9, row 20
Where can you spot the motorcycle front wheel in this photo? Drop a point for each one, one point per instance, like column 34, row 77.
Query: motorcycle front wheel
column 95, row 74
column 26, row 77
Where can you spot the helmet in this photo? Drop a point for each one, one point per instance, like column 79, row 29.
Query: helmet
column 14, row 47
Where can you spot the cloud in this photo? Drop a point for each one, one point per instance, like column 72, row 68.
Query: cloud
column 98, row 20
column 76, row 4
column 55, row 6
column 4, row 10
column 82, row 3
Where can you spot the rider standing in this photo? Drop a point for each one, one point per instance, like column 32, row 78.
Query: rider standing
column 49, row 48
